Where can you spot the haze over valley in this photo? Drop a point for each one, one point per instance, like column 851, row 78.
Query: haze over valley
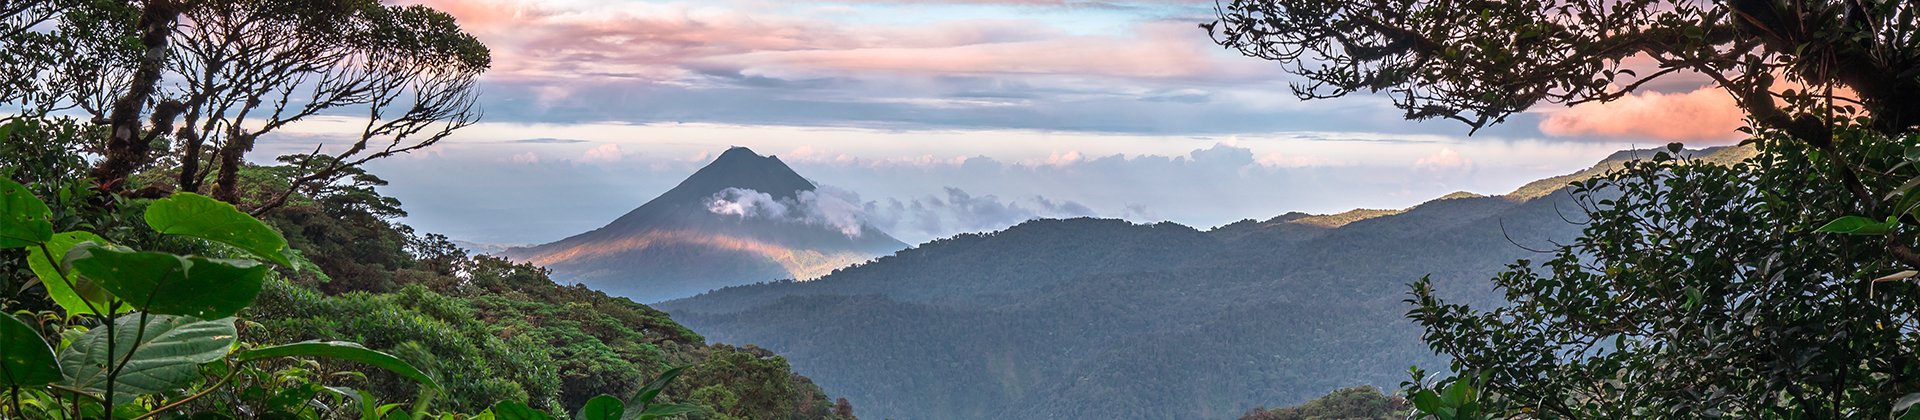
column 959, row 209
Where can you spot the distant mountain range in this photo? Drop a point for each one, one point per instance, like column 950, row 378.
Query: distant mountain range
column 742, row 219
column 1101, row 319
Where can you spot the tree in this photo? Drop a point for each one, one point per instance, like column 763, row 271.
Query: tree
column 1356, row 403
column 843, row 408
column 1754, row 289
column 248, row 67
column 225, row 73
column 1812, row 70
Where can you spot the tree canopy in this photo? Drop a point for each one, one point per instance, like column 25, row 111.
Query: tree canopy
column 191, row 86
column 1774, row 287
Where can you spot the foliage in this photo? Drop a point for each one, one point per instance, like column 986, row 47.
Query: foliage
column 147, row 363
column 1356, row 403
column 1755, row 289
column 484, row 328
column 169, row 96
column 194, row 85
column 1700, row 290
column 491, row 329
column 1483, row 62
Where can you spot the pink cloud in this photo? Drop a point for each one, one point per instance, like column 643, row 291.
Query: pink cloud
column 669, row 43
column 1705, row 114
column 604, row 153
column 1154, row 50
column 647, row 42
column 1445, row 159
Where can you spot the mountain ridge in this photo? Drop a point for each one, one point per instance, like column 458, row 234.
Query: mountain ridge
column 680, row 243
column 1102, row 318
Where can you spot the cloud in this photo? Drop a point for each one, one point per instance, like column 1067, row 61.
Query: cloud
column 1185, row 179
column 833, row 207
column 675, row 41
column 603, row 154
column 958, row 211
column 1703, row 115
column 827, row 207
column 1282, row 160
column 1079, row 65
column 746, row 203
column 1153, row 50
column 545, row 140
column 1047, row 3
column 1140, row 213
column 1445, row 159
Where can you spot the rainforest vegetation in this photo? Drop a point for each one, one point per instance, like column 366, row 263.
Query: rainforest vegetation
column 155, row 268
column 1781, row 286
column 163, row 262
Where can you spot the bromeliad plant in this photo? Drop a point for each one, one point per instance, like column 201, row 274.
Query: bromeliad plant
column 162, row 332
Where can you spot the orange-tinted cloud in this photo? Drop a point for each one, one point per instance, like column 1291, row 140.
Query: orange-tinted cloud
column 1702, row 115
column 1156, row 50
column 668, row 42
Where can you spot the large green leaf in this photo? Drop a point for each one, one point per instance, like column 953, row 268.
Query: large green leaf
column 1856, row 225
column 652, row 389
column 604, row 407
column 340, row 350
column 72, row 292
column 661, row 411
column 165, row 355
column 515, row 410
column 24, row 219
column 25, row 358
column 189, row 214
column 168, row 284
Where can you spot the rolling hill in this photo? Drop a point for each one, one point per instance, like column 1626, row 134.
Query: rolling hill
column 1092, row 318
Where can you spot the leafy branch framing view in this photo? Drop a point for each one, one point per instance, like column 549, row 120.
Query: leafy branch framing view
column 1770, row 287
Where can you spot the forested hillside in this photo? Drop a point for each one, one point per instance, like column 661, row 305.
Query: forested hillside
column 1092, row 318
column 161, row 262
column 487, row 329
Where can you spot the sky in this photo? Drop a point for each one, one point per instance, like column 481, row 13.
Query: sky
column 937, row 117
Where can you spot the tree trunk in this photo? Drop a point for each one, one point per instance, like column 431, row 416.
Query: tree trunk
column 226, row 186
column 127, row 150
column 190, row 160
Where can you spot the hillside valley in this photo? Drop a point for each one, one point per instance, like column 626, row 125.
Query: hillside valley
column 1099, row 318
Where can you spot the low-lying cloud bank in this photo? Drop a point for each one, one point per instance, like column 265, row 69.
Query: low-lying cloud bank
column 914, row 218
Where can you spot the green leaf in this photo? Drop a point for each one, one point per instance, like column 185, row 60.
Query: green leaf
column 1856, row 225
column 24, row 219
column 515, row 410
column 162, row 283
column 25, row 358
column 1906, row 402
column 340, row 350
column 189, row 214
column 72, row 292
column 163, row 356
column 657, row 411
column 604, row 407
column 652, row 389
column 1427, row 402
column 1458, row 393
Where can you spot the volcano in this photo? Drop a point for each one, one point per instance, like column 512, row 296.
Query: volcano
column 742, row 219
